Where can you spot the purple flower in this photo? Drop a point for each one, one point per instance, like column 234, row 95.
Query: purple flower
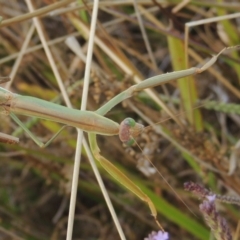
column 211, row 198
column 160, row 235
column 217, row 223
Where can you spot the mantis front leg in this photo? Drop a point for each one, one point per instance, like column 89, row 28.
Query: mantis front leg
column 121, row 177
column 127, row 131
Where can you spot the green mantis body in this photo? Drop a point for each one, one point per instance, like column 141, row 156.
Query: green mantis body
column 35, row 107
column 92, row 122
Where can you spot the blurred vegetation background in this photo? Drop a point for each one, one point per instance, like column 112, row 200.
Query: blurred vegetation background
column 150, row 38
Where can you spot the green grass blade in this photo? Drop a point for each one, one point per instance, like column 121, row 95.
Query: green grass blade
column 186, row 85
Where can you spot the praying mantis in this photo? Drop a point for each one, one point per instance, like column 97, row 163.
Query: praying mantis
column 92, row 122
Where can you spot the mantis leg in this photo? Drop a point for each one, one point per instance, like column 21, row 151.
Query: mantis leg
column 5, row 138
column 31, row 135
column 120, row 177
column 159, row 80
